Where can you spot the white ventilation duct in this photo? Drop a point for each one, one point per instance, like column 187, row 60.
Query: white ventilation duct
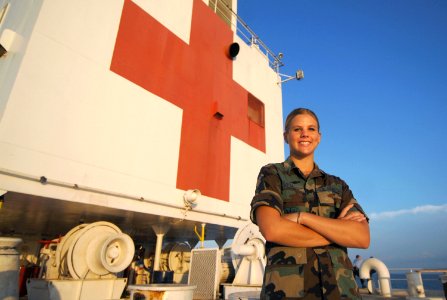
column 382, row 273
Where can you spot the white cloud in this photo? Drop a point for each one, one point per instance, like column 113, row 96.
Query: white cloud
column 415, row 210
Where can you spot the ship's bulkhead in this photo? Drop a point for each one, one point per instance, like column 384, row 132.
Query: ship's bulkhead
column 137, row 115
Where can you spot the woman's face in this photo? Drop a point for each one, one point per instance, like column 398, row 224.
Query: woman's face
column 303, row 136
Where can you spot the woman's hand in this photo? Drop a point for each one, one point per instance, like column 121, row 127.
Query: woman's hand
column 352, row 216
column 285, row 229
column 350, row 229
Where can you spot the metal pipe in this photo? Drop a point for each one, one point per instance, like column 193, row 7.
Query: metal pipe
column 75, row 186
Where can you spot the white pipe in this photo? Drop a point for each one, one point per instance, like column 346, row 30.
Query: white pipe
column 75, row 186
column 244, row 250
column 160, row 230
column 158, row 252
column 382, row 273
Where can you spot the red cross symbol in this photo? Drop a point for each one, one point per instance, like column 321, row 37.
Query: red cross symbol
column 198, row 79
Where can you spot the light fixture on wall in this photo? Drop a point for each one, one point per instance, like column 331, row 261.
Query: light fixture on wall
column 190, row 197
column 189, row 202
column 298, row 76
column 234, row 50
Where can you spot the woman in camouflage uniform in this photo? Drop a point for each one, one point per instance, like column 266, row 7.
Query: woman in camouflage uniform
column 308, row 218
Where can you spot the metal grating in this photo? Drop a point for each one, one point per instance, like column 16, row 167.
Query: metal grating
column 204, row 272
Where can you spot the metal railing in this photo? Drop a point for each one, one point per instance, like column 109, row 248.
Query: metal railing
column 420, row 270
column 432, row 281
column 245, row 32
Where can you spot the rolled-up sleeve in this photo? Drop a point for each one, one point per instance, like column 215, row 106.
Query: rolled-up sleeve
column 268, row 191
column 348, row 198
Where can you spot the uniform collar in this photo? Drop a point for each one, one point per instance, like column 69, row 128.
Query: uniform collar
column 289, row 165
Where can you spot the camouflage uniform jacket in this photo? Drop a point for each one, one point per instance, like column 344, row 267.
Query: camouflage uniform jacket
column 305, row 273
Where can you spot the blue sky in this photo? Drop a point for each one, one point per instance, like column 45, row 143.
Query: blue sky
column 376, row 75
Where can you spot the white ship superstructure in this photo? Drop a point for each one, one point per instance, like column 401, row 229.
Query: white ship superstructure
column 155, row 116
column 113, row 110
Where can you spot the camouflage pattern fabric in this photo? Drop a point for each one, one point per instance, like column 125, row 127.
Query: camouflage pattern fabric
column 305, row 273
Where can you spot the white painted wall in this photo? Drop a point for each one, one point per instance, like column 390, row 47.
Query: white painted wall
column 251, row 70
column 74, row 111
column 71, row 119
column 175, row 15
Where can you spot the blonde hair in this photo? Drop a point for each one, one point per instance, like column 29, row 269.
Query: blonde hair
column 300, row 111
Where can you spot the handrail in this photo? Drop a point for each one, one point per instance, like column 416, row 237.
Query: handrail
column 249, row 36
column 419, row 270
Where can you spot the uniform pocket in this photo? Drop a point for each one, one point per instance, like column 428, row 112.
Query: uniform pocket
column 344, row 274
column 294, row 199
column 340, row 259
column 284, row 273
column 329, row 203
